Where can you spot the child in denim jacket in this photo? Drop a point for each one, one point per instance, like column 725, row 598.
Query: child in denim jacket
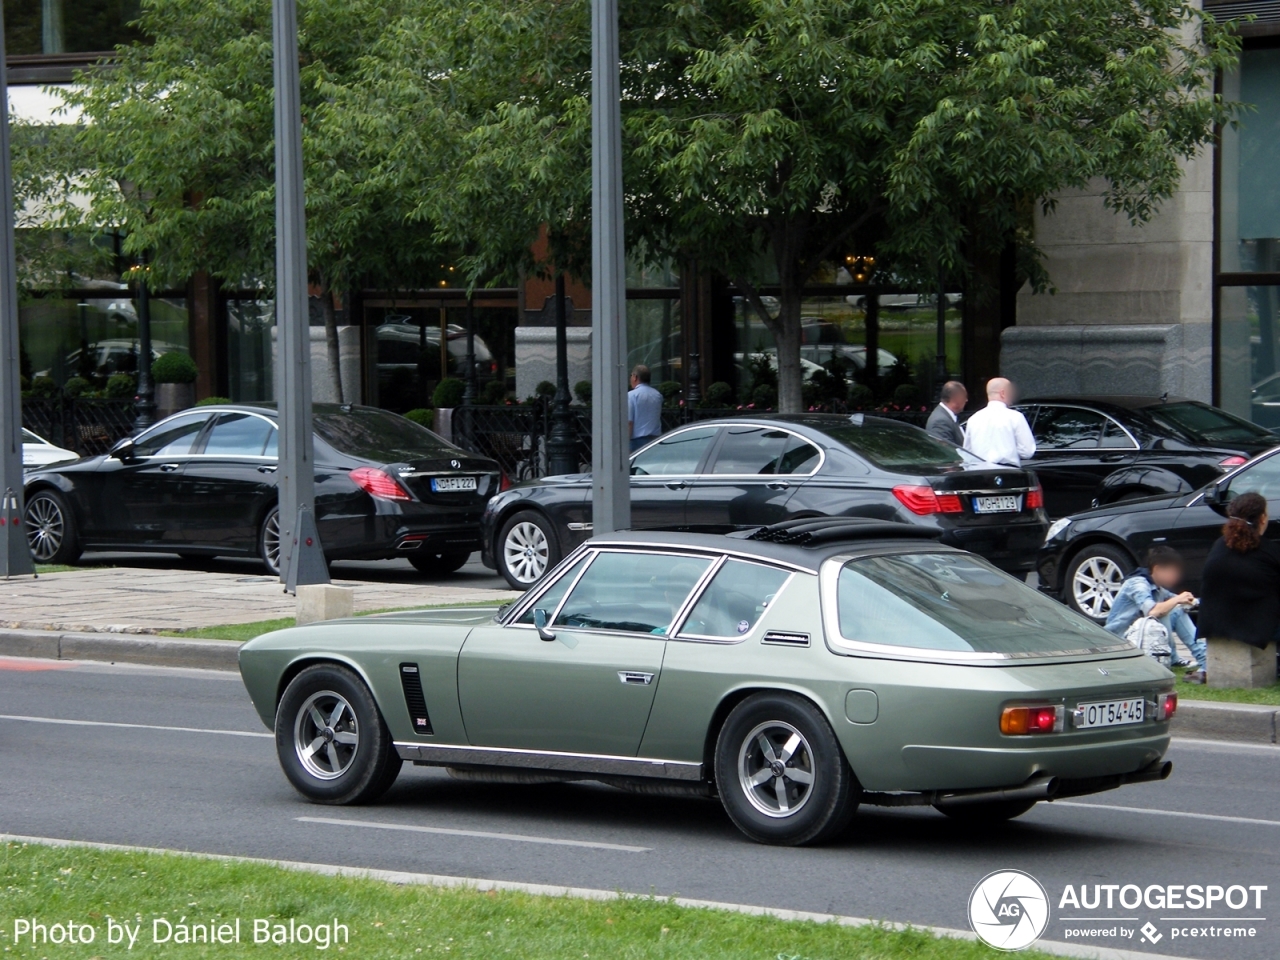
column 1148, row 592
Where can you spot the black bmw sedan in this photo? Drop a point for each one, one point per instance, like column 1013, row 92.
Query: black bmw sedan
column 1094, row 451
column 1087, row 556
column 203, row 483
column 729, row 474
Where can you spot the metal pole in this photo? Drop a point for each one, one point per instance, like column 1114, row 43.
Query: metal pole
column 562, row 447
column 301, row 556
column 15, row 552
column 693, row 393
column 145, row 412
column 940, row 374
column 469, row 381
column 610, row 443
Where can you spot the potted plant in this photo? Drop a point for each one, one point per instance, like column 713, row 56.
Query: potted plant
column 174, row 375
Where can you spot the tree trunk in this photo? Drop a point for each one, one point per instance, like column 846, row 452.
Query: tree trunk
column 786, row 334
column 331, row 341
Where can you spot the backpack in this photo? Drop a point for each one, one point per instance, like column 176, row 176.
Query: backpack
column 1152, row 638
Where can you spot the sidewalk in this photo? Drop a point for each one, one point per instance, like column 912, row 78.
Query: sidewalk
column 139, row 600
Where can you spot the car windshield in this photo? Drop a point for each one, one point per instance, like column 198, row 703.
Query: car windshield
column 896, row 446
column 1201, row 423
column 380, row 436
column 958, row 603
column 29, row 437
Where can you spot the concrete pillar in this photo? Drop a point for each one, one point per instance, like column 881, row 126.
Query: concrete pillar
column 1236, row 664
column 324, row 601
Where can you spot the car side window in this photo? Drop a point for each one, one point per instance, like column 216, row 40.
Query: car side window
column 1067, row 428
column 676, row 455
column 798, row 456
column 1263, row 477
column 552, row 596
column 171, row 439
column 635, row 592
column 734, row 601
column 749, row 451
column 1114, row 437
column 239, row 435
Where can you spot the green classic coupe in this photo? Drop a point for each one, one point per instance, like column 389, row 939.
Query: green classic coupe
column 795, row 672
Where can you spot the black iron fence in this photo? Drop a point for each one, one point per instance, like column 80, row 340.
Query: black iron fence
column 88, row 426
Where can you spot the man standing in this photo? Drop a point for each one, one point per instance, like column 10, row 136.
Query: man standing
column 644, row 409
column 998, row 434
column 942, row 422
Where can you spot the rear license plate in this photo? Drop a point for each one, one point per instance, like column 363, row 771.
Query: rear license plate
column 453, row 484
column 1111, row 713
column 997, row 504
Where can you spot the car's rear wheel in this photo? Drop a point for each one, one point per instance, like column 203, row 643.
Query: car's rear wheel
column 51, row 528
column 331, row 740
column 780, row 772
column 980, row 814
column 526, row 549
column 438, row 564
column 1093, row 579
column 269, row 541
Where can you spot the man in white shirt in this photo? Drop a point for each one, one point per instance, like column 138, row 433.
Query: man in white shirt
column 996, row 433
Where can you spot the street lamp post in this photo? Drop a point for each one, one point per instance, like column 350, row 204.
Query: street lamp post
column 469, row 379
column 145, row 409
column 610, row 442
column 562, row 447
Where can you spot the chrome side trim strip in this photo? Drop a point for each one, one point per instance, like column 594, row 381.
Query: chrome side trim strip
column 442, row 754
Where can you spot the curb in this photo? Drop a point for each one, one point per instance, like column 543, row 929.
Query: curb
column 1214, row 720
column 121, row 648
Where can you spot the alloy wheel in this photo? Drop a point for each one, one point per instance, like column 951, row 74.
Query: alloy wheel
column 526, row 552
column 776, row 769
column 1095, row 585
column 271, row 541
column 46, row 528
column 325, row 735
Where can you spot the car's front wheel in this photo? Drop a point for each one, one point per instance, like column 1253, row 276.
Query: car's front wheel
column 526, row 548
column 780, row 772
column 51, row 528
column 331, row 740
column 1093, row 578
column 436, row 564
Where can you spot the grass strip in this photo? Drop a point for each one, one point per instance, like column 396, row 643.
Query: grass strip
column 94, row 888
column 240, row 632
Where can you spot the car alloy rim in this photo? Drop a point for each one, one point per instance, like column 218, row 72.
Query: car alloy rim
column 1095, row 585
column 525, row 552
column 775, row 769
column 45, row 528
column 271, row 540
column 326, row 735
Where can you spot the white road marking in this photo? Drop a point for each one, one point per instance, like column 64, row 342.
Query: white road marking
column 136, row 726
column 1056, row 947
column 482, row 834
column 1165, row 813
column 1222, row 746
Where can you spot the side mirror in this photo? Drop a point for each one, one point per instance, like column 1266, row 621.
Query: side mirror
column 1217, row 495
column 540, row 622
column 122, row 450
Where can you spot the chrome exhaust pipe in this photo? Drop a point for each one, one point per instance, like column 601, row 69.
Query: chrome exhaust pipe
column 1037, row 788
column 1158, row 770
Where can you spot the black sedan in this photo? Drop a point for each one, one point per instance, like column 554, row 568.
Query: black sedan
column 203, row 483
column 1094, row 451
column 1087, row 556
column 730, row 474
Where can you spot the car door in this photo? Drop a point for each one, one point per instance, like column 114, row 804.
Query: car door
column 743, row 484
column 589, row 690
column 1201, row 522
column 1072, row 457
column 229, row 480
column 661, row 475
column 139, row 497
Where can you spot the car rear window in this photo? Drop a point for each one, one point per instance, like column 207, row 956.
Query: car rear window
column 895, row 446
column 380, row 436
column 1202, row 423
column 957, row 603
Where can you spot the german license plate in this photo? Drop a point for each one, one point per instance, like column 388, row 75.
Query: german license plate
column 997, row 504
column 453, row 484
column 1111, row 713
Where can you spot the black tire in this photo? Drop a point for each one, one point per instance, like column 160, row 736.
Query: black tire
column 439, row 564
column 526, row 548
column 815, row 812
column 352, row 760
column 269, row 540
column 1092, row 579
column 52, row 533
column 986, row 814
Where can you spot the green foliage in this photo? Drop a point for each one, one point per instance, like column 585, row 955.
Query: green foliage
column 906, row 393
column 76, row 386
column 121, row 385
column 24, row 382
column 718, row 394
column 861, row 397
column 448, row 393
column 582, row 390
column 174, row 367
column 212, row 401
column 670, row 390
column 765, row 396
column 44, row 388
column 422, row 416
column 545, row 388
column 493, row 393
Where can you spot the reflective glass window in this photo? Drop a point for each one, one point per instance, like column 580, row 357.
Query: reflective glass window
column 749, row 451
column 1067, row 428
column 635, row 592
column 676, row 455
column 170, row 439
column 735, row 600
column 239, row 435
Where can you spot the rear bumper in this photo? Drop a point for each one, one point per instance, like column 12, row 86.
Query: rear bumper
column 1012, row 547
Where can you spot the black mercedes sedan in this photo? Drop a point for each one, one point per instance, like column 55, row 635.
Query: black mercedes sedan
column 1094, row 451
column 729, row 474
column 1086, row 556
column 202, row 483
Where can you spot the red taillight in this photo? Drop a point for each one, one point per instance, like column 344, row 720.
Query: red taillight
column 924, row 500
column 1233, row 462
column 1035, row 498
column 378, row 483
column 1166, row 706
column 504, row 483
column 1020, row 721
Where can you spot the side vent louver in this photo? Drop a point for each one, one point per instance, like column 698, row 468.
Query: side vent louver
column 786, row 638
column 411, row 681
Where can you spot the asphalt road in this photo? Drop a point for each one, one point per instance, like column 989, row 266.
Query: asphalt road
column 120, row 777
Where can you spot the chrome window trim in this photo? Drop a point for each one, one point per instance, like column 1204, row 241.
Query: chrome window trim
column 532, row 596
column 447, row 754
column 680, row 549
column 1105, row 416
column 677, row 634
column 768, row 477
column 667, row 477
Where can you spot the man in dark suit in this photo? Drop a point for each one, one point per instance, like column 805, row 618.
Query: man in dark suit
column 942, row 422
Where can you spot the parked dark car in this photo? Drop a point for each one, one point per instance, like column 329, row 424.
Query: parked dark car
column 730, row 474
column 1094, row 451
column 203, row 483
column 1087, row 556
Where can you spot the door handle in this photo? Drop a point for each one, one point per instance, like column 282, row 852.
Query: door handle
column 169, row 467
column 676, row 485
column 267, row 469
column 777, row 484
column 634, row 678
